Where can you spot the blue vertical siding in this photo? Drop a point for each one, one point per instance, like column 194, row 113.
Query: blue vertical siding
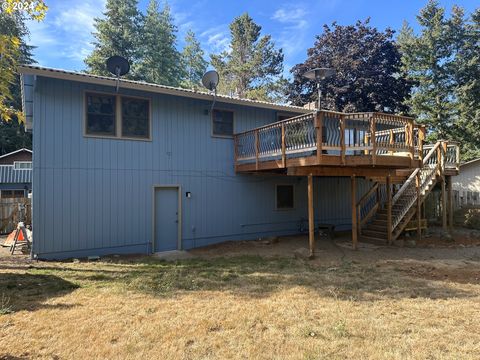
column 95, row 196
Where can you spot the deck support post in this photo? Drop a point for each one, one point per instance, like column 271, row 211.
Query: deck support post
column 450, row 202
column 419, row 208
column 311, row 218
column 389, row 209
column 444, row 205
column 354, row 212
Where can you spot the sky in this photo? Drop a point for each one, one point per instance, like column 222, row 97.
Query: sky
column 65, row 38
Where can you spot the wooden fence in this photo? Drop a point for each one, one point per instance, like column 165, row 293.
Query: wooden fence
column 12, row 211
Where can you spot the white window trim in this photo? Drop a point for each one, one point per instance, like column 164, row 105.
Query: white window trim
column 15, row 163
column 118, row 117
column 276, row 199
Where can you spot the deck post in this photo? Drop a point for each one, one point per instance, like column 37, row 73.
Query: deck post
column 411, row 141
column 311, row 219
column 354, row 213
column 450, row 202
column 419, row 209
column 319, row 126
column 389, row 209
column 257, row 147
column 342, row 139
column 284, row 148
column 444, row 204
column 373, row 139
column 421, row 139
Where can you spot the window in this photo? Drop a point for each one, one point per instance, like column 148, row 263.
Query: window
column 222, row 123
column 135, row 122
column 284, row 197
column 22, row 165
column 117, row 116
column 101, row 111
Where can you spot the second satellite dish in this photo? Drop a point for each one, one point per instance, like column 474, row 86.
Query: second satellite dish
column 118, row 66
column 210, row 80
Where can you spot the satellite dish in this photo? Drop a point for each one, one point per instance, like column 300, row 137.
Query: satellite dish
column 319, row 73
column 210, row 80
column 118, row 66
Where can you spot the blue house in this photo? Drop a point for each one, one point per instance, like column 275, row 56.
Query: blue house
column 152, row 168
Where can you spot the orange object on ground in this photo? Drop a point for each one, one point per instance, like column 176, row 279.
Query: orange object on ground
column 11, row 238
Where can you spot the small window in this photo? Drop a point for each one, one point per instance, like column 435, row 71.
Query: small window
column 135, row 117
column 222, row 123
column 22, row 165
column 285, row 197
column 101, row 114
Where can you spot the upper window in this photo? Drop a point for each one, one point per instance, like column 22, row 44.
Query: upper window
column 101, row 111
column 135, row 117
column 22, row 165
column 117, row 116
column 285, row 197
column 222, row 123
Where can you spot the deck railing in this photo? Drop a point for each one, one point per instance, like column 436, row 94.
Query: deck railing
column 328, row 133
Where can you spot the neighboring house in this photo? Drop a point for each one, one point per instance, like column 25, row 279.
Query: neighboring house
column 16, row 174
column 151, row 168
column 466, row 186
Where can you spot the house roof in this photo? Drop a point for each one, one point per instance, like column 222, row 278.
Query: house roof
column 470, row 162
column 14, row 152
column 155, row 88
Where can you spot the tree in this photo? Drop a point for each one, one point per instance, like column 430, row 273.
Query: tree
column 367, row 64
column 467, row 91
column 160, row 61
column 14, row 51
column 116, row 34
column 193, row 61
column 252, row 66
column 443, row 62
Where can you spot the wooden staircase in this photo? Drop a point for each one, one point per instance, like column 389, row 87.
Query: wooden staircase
column 382, row 218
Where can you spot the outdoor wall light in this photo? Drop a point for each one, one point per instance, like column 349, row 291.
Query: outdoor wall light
column 188, row 194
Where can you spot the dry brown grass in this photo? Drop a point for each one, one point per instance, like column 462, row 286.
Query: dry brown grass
column 243, row 307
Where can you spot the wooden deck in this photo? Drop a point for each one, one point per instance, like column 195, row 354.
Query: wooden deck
column 328, row 142
column 387, row 149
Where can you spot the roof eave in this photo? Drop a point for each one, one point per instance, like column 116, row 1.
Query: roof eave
column 78, row 77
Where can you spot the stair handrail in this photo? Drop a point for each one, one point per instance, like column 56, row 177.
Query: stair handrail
column 414, row 174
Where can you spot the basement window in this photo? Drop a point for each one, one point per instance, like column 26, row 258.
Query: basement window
column 116, row 116
column 222, row 123
column 284, row 197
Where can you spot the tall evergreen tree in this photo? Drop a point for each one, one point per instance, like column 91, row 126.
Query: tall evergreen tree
column 253, row 65
column 193, row 61
column 116, row 34
column 367, row 64
column 443, row 63
column 160, row 60
column 467, row 68
column 427, row 61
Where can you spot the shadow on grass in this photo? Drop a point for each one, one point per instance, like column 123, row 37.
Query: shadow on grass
column 257, row 277
column 251, row 276
column 29, row 291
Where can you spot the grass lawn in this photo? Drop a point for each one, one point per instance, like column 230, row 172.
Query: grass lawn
column 386, row 304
